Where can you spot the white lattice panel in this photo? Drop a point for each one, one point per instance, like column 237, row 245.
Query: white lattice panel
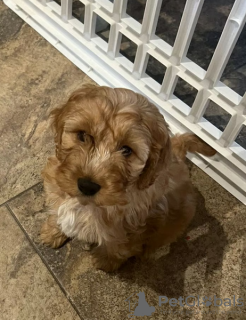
column 104, row 63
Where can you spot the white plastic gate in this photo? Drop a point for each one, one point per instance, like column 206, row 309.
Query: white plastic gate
column 103, row 62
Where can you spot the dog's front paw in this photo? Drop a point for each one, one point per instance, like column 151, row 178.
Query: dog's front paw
column 51, row 235
column 106, row 264
column 105, row 260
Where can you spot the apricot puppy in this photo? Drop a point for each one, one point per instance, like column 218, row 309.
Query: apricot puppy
column 117, row 180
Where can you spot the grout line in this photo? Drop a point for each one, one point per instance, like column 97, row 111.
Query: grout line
column 43, row 259
column 19, row 194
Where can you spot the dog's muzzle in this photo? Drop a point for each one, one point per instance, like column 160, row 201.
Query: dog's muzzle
column 88, row 187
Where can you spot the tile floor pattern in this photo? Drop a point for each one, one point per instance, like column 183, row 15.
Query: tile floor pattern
column 41, row 283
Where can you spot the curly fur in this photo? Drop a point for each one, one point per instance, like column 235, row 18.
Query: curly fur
column 146, row 199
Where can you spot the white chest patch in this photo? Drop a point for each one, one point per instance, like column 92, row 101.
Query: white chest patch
column 79, row 221
column 90, row 223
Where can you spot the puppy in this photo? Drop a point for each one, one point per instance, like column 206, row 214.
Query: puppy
column 117, row 181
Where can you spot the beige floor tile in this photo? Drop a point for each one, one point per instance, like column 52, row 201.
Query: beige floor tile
column 28, row 291
column 35, row 77
column 211, row 262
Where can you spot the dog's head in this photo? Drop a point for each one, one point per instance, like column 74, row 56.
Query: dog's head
column 108, row 140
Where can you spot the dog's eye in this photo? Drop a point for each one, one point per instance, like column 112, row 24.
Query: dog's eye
column 126, row 151
column 81, row 136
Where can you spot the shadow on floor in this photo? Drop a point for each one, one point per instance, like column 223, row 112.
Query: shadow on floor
column 166, row 275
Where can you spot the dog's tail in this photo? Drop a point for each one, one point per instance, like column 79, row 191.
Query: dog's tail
column 188, row 142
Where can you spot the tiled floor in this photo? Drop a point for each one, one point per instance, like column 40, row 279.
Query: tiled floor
column 41, row 283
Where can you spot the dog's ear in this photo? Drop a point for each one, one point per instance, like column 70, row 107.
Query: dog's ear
column 160, row 150
column 57, row 126
column 58, row 115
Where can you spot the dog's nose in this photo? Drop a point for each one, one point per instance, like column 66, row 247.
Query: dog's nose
column 87, row 187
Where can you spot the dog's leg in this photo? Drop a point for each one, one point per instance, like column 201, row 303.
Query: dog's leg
column 106, row 259
column 165, row 230
column 110, row 256
column 50, row 234
column 166, row 233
